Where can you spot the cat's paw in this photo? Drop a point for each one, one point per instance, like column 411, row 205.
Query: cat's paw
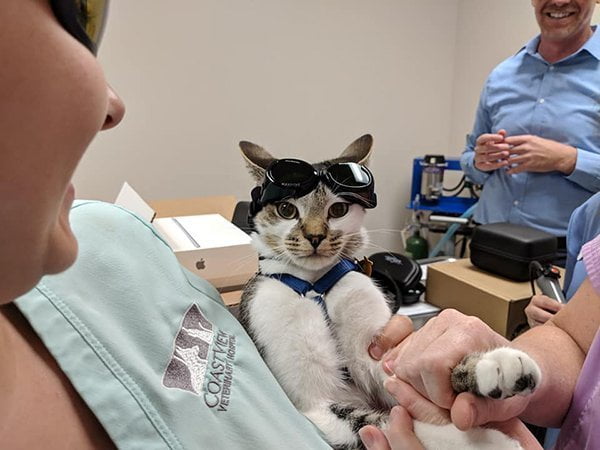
column 499, row 373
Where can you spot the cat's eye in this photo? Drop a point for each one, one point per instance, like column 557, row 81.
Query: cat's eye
column 287, row 210
column 338, row 210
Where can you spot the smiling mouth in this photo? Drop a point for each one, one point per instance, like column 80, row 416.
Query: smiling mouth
column 557, row 15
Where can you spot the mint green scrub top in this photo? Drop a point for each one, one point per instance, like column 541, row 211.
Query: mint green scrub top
column 151, row 348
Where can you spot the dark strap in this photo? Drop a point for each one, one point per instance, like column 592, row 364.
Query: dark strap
column 335, row 274
column 322, row 285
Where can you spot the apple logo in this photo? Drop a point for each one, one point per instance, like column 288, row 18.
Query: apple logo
column 201, row 264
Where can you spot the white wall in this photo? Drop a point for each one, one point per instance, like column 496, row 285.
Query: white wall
column 302, row 78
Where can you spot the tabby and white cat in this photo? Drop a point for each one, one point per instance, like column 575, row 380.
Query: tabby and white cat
column 318, row 350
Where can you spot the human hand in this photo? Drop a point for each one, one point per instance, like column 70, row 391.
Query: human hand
column 540, row 309
column 400, row 433
column 535, row 154
column 491, row 152
column 518, row 431
column 470, row 411
column 425, row 359
column 396, row 330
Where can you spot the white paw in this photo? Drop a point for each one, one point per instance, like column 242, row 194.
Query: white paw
column 504, row 372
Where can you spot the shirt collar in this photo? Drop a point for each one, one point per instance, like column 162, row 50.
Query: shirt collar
column 592, row 45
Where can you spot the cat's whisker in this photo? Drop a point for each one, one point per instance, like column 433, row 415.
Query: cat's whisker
column 238, row 263
column 384, row 230
column 379, row 248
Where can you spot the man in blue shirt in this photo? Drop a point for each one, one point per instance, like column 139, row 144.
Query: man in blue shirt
column 535, row 145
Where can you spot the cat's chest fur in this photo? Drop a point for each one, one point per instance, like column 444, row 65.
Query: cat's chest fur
column 310, row 346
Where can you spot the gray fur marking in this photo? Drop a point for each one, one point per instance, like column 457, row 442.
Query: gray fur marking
column 463, row 377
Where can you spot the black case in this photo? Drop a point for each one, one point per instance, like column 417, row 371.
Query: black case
column 507, row 249
column 399, row 276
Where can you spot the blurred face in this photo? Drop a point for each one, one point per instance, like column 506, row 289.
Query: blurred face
column 54, row 100
column 564, row 20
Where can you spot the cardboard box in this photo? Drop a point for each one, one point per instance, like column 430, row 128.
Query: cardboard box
column 219, row 204
column 497, row 301
column 206, row 244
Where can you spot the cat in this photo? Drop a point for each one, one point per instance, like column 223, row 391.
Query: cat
column 316, row 345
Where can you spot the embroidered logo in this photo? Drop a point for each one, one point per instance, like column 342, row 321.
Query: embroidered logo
column 202, row 356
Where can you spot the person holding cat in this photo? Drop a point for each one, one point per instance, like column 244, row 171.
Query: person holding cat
column 584, row 226
column 534, row 143
column 566, row 347
column 108, row 353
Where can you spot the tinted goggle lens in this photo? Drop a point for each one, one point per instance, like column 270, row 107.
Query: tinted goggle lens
column 291, row 172
column 350, row 175
column 83, row 19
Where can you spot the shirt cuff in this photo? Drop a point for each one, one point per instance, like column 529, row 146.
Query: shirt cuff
column 586, row 173
column 473, row 173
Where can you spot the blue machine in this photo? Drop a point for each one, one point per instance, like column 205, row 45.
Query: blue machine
column 444, row 204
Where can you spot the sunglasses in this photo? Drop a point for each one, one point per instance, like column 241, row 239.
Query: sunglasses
column 83, row 19
column 294, row 178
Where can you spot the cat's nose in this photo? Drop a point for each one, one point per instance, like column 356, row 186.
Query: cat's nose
column 315, row 239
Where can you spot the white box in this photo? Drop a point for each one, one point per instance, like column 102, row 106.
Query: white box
column 208, row 245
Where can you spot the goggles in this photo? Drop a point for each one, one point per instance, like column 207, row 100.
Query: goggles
column 82, row 19
column 293, row 178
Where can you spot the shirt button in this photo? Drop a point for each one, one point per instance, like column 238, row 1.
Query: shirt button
column 516, row 203
column 551, row 68
column 542, row 100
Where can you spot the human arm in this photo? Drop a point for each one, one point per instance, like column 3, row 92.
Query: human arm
column 540, row 309
column 481, row 127
column 426, row 358
column 530, row 153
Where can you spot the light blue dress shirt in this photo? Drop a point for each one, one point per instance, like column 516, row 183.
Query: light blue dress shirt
column 560, row 101
column 583, row 227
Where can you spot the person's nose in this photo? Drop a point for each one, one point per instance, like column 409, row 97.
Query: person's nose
column 115, row 111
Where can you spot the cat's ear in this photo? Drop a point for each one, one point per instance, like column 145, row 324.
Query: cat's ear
column 257, row 159
column 359, row 151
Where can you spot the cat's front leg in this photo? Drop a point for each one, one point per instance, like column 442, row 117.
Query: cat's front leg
column 359, row 311
column 498, row 373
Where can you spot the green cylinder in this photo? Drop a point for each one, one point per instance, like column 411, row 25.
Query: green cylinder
column 416, row 246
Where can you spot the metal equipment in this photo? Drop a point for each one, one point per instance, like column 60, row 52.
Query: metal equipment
column 427, row 187
column 546, row 278
column 450, row 209
column 432, row 178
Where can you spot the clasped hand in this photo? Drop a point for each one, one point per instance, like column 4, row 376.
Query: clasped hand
column 523, row 153
column 420, row 366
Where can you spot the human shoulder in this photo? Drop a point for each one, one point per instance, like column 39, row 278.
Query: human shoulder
column 584, row 224
column 510, row 63
column 590, row 206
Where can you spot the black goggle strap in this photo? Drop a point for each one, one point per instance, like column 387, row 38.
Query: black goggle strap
column 82, row 19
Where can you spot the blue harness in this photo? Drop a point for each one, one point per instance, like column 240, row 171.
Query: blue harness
column 322, row 285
